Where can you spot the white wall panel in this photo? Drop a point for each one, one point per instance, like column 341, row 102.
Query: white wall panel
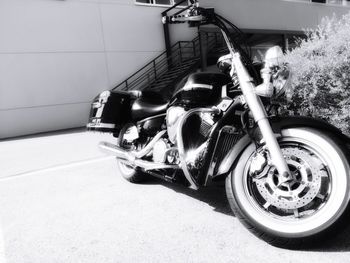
column 132, row 28
column 49, row 26
column 121, row 64
column 29, row 80
column 34, row 120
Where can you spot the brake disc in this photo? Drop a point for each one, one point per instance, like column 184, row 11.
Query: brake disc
column 307, row 173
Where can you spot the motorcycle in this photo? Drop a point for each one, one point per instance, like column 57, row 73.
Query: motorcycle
column 287, row 178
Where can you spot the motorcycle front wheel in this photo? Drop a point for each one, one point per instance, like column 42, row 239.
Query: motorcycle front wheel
column 309, row 207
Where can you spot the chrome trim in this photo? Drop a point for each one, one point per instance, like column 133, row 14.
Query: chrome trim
column 213, row 162
column 111, row 148
column 181, row 148
column 225, row 104
column 129, row 158
column 195, row 86
column 149, row 146
column 173, row 116
column 102, row 100
column 151, row 118
column 148, row 166
column 224, row 92
column 100, row 125
column 96, row 105
column 260, row 116
column 258, row 111
column 135, row 93
column 231, row 157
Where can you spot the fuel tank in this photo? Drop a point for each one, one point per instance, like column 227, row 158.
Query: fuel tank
column 200, row 90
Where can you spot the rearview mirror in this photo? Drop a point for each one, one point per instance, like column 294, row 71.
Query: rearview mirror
column 273, row 56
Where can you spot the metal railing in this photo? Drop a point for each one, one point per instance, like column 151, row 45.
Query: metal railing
column 182, row 52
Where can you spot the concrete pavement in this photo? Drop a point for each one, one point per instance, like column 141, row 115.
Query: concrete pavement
column 63, row 201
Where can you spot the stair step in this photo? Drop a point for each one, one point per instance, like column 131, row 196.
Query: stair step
column 167, row 77
column 175, row 70
column 170, row 75
column 164, row 81
column 175, row 73
column 190, row 61
column 178, row 69
column 182, row 66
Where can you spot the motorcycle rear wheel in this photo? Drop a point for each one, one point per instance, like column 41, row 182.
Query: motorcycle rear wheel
column 131, row 174
column 310, row 207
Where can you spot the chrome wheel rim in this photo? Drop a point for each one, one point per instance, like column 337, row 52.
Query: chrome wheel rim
column 303, row 195
column 295, row 219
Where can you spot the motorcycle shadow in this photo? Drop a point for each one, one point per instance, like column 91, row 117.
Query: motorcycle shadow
column 213, row 195
column 339, row 242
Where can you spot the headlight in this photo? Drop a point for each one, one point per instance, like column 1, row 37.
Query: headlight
column 275, row 82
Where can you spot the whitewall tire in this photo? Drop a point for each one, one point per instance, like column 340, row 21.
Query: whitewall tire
column 305, row 209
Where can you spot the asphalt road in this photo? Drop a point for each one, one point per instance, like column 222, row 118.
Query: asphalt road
column 63, row 201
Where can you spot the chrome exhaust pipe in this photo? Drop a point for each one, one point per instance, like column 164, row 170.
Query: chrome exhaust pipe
column 113, row 149
column 149, row 146
column 130, row 158
column 149, row 166
column 120, row 153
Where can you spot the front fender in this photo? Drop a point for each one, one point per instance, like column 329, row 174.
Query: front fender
column 277, row 124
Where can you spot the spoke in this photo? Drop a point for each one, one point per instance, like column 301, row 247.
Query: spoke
column 267, row 205
column 296, row 213
column 321, row 196
column 255, row 180
column 324, row 175
column 295, row 173
column 323, row 167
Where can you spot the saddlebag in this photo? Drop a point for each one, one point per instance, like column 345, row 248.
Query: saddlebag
column 110, row 111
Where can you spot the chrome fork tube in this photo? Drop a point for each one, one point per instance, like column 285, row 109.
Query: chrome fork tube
column 260, row 116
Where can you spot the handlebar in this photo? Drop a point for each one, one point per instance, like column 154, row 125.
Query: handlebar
column 182, row 19
column 195, row 15
column 234, row 38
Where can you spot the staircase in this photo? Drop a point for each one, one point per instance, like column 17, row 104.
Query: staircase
column 165, row 71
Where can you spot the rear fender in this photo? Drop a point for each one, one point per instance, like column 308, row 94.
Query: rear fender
column 279, row 123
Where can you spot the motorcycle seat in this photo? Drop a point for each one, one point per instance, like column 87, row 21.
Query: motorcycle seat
column 147, row 105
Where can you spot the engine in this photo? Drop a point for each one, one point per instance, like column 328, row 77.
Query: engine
column 195, row 131
column 164, row 152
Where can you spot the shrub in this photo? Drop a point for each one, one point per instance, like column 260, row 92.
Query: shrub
column 320, row 81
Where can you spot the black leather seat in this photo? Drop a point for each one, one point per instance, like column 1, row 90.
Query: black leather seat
column 149, row 104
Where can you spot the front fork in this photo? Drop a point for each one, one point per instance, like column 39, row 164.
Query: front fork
column 260, row 116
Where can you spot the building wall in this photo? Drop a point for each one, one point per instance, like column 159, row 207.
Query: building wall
column 55, row 55
column 275, row 14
